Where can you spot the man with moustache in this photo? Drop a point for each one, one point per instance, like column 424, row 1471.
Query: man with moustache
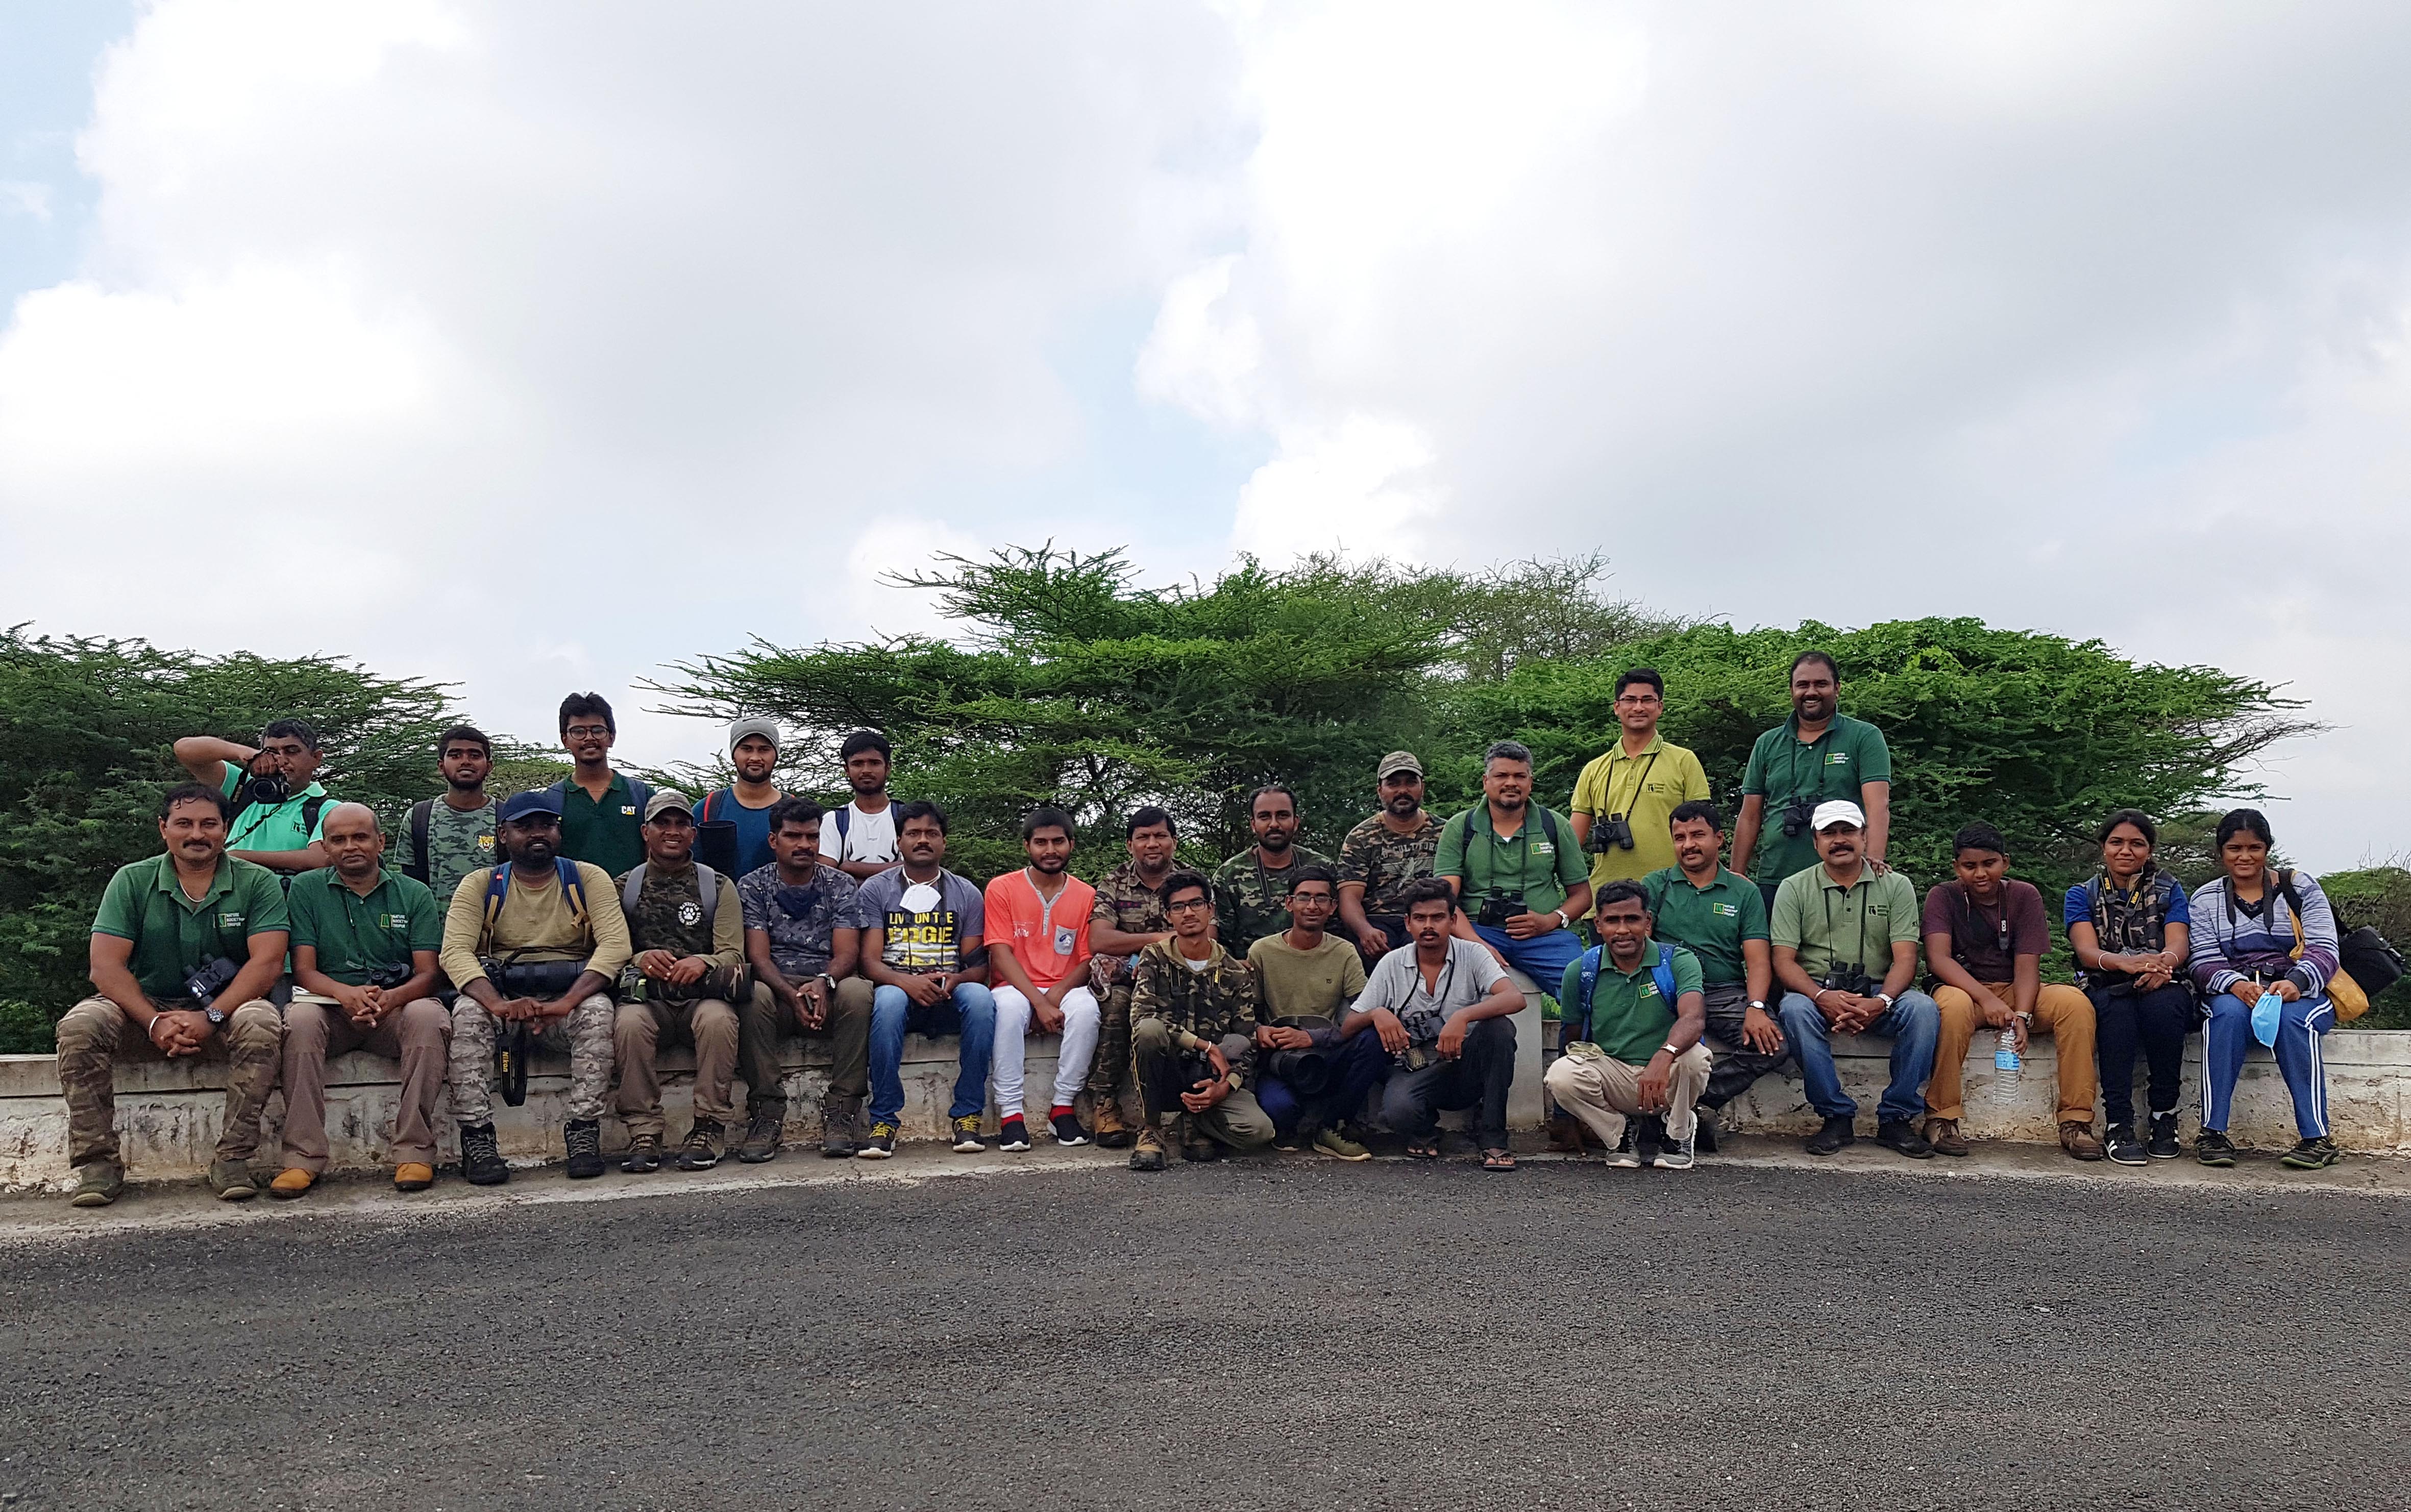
column 1192, row 1047
column 1038, row 970
column 445, row 839
column 1632, row 1007
column 686, row 933
column 1720, row 916
column 1516, row 870
column 746, row 803
column 861, row 838
column 1251, row 889
column 602, row 812
column 1383, row 854
column 1127, row 918
column 1625, row 799
column 1818, row 756
column 805, row 945
column 278, row 807
column 1445, row 1011
column 922, row 933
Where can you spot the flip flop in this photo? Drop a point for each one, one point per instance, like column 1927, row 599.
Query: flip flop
column 1423, row 1152
column 1498, row 1159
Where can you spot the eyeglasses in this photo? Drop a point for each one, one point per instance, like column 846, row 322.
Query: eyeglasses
column 587, row 731
column 1640, row 698
column 1185, row 905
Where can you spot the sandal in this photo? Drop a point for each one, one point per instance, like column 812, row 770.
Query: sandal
column 1498, row 1159
column 1423, row 1152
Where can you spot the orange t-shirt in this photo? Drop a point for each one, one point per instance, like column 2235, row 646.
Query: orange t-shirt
column 1051, row 942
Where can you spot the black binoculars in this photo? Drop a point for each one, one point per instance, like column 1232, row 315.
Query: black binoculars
column 210, row 978
column 1614, row 831
column 1796, row 815
column 1499, row 908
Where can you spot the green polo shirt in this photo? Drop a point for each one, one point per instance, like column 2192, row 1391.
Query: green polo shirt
column 174, row 936
column 1647, row 790
column 1782, row 767
column 275, row 826
column 1710, row 922
column 355, row 935
column 1531, row 862
column 610, row 833
column 1629, row 1018
column 1826, row 922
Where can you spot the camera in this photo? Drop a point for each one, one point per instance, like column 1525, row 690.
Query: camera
column 1851, row 979
column 1307, row 1072
column 1614, row 831
column 389, row 976
column 729, row 983
column 210, row 978
column 264, row 785
column 1796, row 815
column 1499, row 908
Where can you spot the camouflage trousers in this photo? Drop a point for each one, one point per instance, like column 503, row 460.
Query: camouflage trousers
column 1109, row 1074
column 97, row 1036
column 584, row 1033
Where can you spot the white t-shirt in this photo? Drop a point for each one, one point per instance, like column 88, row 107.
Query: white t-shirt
column 1397, row 983
column 865, row 836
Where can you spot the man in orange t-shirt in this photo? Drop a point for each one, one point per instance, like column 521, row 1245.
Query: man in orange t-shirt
column 1038, row 968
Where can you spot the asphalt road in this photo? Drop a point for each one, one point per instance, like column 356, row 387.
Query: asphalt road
column 1246, row 1336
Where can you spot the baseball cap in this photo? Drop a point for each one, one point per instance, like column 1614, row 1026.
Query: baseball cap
column 1398, row 761
column 663, row 802
column 519, row 806
column 1836, row 812
column 754, row 724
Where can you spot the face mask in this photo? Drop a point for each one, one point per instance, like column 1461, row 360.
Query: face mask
column 797, row 902
column 2264, row 1018
column 921, row 898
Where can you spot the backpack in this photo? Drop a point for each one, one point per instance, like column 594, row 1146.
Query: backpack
column 422, row 818
column 1663, row 973
column 706, row 882
column 498, row 887
column 2347, row 992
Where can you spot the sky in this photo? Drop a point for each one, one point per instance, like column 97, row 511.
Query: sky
column 533, row 347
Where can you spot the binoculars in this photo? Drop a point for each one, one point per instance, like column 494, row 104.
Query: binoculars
column 1499, row 908
column 1614, row 831
column 1796, row 815
column 210, row 978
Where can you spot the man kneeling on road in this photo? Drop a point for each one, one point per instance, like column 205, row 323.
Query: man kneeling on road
column 1637, row 1011
column 1444, row 1010
column 1315, row 1076
column 535, row 944
column 687, row 932
column 364, row 950
column 184, row 947
column 804, row 944
column 1194, row 1012
column 1845, row 940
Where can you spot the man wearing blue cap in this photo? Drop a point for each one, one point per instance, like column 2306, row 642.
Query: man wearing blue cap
column 536, row 941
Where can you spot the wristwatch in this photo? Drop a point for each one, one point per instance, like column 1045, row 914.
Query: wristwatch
column 1668, row 1048
column 828, row 981
column 214, row 1014
column 1759, row 1003
column 1885, row 998
column 1564, row 922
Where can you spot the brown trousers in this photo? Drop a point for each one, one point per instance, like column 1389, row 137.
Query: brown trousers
column 418, row 1034
column 96, row 1036
column 767, row 1021
column 640, row 1030
column 2060, row 1012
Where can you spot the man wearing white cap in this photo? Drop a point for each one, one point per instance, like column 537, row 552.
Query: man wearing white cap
column 754, row 751
column 1845, row 939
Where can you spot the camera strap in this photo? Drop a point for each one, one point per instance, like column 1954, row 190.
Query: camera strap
column 1624, row 809
column 1866, row 879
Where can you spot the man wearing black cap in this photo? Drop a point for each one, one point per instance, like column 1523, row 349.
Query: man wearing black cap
column 551, row 930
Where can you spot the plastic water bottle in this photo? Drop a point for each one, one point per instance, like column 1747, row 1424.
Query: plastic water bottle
column 2006, row 1062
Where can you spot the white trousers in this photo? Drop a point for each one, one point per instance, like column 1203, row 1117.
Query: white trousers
column 1082, row 1019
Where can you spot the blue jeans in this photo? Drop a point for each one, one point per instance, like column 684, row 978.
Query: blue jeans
column 2228, row 1035
column 971, row 1012
column 1360, row 1065
column 1543, row 957
column 1912, row 1023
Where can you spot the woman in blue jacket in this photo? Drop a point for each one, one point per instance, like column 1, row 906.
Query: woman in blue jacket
column 2130, row 930
column 2254, row 936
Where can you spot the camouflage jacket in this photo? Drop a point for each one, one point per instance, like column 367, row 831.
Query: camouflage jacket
column 1251, row 901
column 1129, row 905
column 1201, row 1007
column 668, row 916
column 1385, row 862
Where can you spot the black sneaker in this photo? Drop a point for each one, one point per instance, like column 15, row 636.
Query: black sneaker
column 2311, row 1155
column 1650, row 1140
column 1830, row 1138
column 762, row 1136
column 644, row 1154
column 1703, row 1139
column 584, row 1137
column 2163, row 1145
column 704, row 1143
column 481, row 1157
column 2123, row 1148
column 1676, row 1155
column 1013, row 1134
column 1067, row 1128
column 882, row 1142
column 2213, row 1148
column 1900, row 1136
column 967, row 1135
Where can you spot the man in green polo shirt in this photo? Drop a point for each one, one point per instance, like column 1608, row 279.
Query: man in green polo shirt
column 364, row 961
column 184, row 947
column 1624, row 800
column 279, row 808
column 1636, row 1056
column 1517, row 870
column 1817, row 756
column 602, row 811
column 1845, row 937
column 1720, row 917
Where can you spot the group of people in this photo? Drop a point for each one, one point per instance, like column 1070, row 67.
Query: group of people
column 1273, row 1001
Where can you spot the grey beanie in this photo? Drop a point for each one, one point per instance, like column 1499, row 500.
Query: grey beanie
column 754, row 725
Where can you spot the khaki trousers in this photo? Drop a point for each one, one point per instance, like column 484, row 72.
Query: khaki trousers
column 418, row 1034
column 641, row 1028
column 2060, row 1012
column 1605, row 1093
column 96, row 1036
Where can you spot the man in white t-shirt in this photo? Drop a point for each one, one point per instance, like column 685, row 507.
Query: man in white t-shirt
column 1445, row 1009
column 859, row 839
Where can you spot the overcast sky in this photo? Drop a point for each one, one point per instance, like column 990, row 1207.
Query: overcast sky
column 530, row 346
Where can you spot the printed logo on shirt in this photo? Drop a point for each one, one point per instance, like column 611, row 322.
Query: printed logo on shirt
column 690, row 914
column 1649, row 987
column 230, row 920
column 1543, row 848
column 924, row 940
column 1837, row 758
column 628, row 808
column 485, row 842
column 397, row 920
column 1725, row 909
column 1066, row 940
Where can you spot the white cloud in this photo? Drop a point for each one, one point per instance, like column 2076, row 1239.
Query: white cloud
column 1364, row 484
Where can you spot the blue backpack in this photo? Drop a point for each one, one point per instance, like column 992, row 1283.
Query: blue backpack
column 1663, row 973
column 498, row 887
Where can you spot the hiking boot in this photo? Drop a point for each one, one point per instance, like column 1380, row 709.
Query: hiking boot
column 764, row 1132
column 1650, row 1138
column 1066, row 1125
column 231, row 1180
column 2311, row 1155
column 1112, row 1132
column 644, row 1154
column 1194, row 1145
column 584, row 1139
column 1943, row 1134
column 840, row 1117
column 292, row 1182
column 1624, row 1156
column 1339, row 1146
column 1901, row 1137
column 1676, row 1155
column 413, row 1176
column 1013, row 1134
column 1831, row 1138
column 2123, row 1148
column 481, row 1157
column 882, row 1142
column 967, row 1136
column 2213, row 1148
column 2163, row 1145
column 1148, row 1153
column 705, row 1141
column 97, row 1184
column 2079, row 1140
column 1703, row 1138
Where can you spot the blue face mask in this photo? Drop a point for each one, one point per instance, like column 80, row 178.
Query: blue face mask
column 797, row 902
column 2264, row 1018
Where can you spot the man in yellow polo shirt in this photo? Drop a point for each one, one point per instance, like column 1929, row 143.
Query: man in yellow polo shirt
column 1624, row 800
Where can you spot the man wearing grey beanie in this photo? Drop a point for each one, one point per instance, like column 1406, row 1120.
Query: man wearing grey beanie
column 754, row 750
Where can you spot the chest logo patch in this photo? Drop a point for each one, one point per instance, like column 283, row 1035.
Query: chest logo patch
column 485, row 842
column 1724, row 910
column 628, row 808
column 690, row 914
column 230, row 920
column 1065, row 940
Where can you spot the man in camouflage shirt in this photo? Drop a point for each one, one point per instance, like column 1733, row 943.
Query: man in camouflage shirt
column 1194, row 1012
column 1127, row 919
column 686, row 927
column 445, row 839
column 805, row 946
column 1251, row 889
column 1383, row 855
